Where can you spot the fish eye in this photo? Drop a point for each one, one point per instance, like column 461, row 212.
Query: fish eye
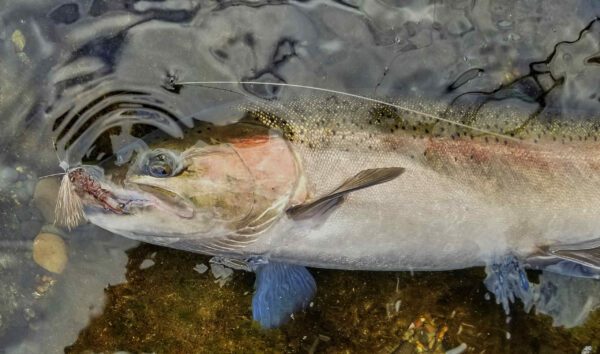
column 159, row 170
column 161, row 164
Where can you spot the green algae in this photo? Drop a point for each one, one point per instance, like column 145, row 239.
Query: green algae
column 170, row 308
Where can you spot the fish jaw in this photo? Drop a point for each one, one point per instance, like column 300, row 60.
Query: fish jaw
column 121, row 208
column 145, row 215
column 155, row 194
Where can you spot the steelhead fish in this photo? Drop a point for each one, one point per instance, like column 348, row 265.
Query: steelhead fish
column 350, row 183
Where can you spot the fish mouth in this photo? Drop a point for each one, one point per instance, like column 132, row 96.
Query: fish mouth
column 128, row 198
column 161, row 198
column 134, row 197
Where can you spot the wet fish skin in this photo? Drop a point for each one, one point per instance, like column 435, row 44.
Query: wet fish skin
column 276, row 192
column 465, row 199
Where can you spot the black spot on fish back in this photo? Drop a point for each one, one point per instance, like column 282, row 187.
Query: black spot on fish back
column 273, row 121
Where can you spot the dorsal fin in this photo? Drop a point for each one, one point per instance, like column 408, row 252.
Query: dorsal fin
column 363, row 179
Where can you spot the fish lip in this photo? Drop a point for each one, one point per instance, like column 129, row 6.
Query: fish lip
column 148, row 194
column 123, row 199
column 136, row 196
column 100, row 194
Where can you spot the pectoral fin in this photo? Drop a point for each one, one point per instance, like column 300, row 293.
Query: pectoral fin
column 281, row 290
column 363, row 179
column 585, row 253
column 507, row 280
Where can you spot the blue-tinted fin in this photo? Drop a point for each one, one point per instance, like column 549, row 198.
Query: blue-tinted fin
column 573, row 269
column 567, row 299
column 281, row 289
column 508, row 281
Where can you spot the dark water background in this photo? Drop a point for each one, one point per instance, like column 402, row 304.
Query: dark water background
column 67, row 68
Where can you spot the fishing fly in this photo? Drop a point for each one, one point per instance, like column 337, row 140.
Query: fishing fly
column 69, row 207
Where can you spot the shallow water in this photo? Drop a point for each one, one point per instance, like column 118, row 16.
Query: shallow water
column 71, row 71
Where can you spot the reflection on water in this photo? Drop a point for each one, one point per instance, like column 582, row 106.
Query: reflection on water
column 74, row 70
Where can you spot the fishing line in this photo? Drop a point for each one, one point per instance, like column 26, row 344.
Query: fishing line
column 374, row 100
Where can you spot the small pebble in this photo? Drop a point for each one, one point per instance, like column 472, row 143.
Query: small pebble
column 222, row 274
column 23, row 190
column 461, row 348
column 29, row 313
column 8, row 260
column 50, row 252
column 504, row 24
column 324, row 338
column 8, row 176
column 146, row 263
column 201, row 268
column 44, row 284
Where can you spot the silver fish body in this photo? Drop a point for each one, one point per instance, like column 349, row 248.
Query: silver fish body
column 468, row 195
column 358, row 187
column 434, row 218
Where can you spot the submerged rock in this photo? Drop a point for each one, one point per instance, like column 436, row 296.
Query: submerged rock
column 8, row 176
column 44, row 197
column 50, row 252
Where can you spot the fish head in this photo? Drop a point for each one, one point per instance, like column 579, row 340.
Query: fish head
column 230, row 184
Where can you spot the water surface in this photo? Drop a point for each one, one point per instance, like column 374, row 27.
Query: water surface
column 83, row 81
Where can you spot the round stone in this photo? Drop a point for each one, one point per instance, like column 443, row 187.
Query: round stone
column 50, row 252
column 44, row 196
